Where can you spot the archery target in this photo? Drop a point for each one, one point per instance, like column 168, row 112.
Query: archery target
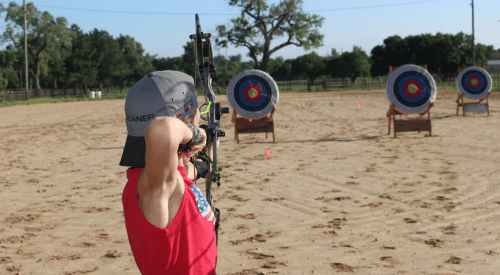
column 411, row 89
column 474, row 82
column 253, row 93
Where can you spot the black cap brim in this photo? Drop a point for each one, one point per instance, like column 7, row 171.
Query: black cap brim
column 134, row 153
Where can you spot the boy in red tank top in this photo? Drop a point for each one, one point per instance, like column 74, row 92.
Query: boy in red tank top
column 170, row 225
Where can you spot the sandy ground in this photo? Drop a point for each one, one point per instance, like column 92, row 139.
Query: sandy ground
column 337, row 195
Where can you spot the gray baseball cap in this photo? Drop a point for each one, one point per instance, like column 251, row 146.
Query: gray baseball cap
column 161, row 93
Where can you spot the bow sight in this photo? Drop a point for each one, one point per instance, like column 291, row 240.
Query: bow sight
column 206, row 69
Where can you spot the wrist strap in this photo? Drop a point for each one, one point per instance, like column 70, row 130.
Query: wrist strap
column 197, row 138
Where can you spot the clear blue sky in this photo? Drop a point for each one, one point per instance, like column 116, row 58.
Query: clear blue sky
column 165, row 25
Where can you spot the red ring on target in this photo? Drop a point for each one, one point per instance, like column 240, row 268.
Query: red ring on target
column 247, row 96
column 474, row 78
column 408, row 93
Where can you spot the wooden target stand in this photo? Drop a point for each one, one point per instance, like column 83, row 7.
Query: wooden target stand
column 472, row 107
column 261, row 125
column 410, row 125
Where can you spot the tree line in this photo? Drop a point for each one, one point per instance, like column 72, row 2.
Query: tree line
column 62, row 56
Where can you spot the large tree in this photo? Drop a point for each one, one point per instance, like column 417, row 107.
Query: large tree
column 110, row 58
column 82, row 65
column 443, row 53
column 353, row 64
column 42, row 30
column 53, row 64
column 167, row 63
column 310, row 65
column 11, row 67
column 259, row 24
column 138, row 64
column 281, row 69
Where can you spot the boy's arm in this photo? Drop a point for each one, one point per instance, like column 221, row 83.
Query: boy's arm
column 162, row 138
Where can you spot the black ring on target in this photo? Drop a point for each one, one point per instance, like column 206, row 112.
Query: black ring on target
column 400, row 86
column 468, row 83
column 265, row 93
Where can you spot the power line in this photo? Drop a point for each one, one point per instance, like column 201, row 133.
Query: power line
column 378, row 6
column 486, row 10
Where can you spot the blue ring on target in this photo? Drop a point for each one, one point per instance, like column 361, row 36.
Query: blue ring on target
column 465, row 82
column 400, row 93
column 240, row 96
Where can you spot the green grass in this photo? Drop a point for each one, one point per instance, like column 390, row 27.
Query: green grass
column 63, row 98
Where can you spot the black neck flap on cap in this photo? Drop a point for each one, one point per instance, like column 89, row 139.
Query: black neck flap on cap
column 134, row 153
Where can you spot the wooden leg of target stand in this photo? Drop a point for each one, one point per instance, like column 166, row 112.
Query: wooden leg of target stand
column 486, row 98
column 388, row 115
column 419, row 118
column 235, row 121
column 463, row 111
column 394, row 122
column 488, row 104
column 271, row 119
column 389, row 119
column 429, row 116
column 428, row 111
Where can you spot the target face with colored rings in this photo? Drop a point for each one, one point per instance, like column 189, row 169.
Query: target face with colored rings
column 253, row 93
column 474, row 82
column 411, row 88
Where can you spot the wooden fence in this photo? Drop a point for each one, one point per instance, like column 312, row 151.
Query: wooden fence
column 332, row 84
column 366, row 83
column 19, row 94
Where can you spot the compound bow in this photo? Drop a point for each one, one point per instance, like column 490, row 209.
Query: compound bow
column 206, row 68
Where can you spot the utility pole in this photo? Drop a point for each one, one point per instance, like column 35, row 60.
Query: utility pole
column 473, row 43
column 25, row 53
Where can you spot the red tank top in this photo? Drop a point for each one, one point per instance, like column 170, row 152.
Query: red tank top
column 186, row 246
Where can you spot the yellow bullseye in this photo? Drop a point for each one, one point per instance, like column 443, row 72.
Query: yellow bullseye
column 412, row 88
column 474, row 82
column 253, row 93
